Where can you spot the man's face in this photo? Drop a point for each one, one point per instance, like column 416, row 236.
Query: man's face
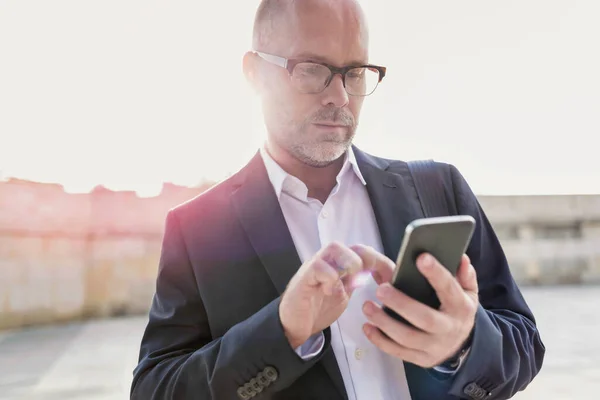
column 316, row 129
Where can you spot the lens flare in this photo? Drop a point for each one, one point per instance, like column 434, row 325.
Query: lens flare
column 360, row 279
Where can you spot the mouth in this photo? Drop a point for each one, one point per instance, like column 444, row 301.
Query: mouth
column 329, row 125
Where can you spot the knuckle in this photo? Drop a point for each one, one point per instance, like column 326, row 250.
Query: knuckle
column 353, row 255
column 367, row 253
column 429, row 322
column 323, row 269
column 317, row 264
column 354, row 261
column 470, row 307
column 361, row 247
column 465, row 307
column 368, row 249
column 447, row 326
column 335, row 246
column 411, row 336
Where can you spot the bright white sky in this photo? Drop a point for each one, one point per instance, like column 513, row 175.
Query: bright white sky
column 133, row 93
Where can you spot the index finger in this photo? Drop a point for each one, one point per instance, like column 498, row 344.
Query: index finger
column 381, row 267
column 445, row 285
column 341, row 258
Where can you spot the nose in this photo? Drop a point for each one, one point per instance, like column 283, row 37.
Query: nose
column 335, row 94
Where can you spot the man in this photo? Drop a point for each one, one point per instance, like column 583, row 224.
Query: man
column 271, row 284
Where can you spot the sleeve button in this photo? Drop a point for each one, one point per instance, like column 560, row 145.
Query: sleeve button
column 241, row 392
column 270, row 373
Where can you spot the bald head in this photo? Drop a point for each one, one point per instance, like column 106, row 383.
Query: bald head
column 311, row 33
column 278, row 21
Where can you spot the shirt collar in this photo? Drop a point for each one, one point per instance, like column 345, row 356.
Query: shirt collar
column 282, row 181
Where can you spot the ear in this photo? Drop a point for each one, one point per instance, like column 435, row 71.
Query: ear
column 250, row 67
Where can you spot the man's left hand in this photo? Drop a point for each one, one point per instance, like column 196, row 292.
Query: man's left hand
column 442, row 332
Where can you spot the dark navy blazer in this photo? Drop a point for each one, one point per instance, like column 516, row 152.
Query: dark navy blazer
column 227, row 255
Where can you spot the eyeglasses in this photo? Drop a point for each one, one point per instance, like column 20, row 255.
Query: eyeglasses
column 311, row 77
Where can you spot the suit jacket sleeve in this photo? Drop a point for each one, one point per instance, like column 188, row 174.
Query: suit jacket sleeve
column 506, row 351
column 179, row 359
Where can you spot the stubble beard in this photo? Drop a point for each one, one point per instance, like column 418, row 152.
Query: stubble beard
column 321, row 150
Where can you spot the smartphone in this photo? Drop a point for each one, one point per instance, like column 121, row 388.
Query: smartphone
column 446, row 238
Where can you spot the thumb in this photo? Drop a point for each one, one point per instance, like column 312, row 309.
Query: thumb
column 466, row 276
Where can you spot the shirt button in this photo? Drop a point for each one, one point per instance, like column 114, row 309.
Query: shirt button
column 324, row 214
column 359, row 353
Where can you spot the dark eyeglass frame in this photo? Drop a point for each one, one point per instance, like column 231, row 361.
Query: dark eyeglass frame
column 290, row 63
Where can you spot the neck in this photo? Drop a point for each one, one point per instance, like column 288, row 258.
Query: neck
column 320, row 181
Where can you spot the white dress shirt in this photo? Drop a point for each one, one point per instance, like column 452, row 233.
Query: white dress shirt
column 347, row 216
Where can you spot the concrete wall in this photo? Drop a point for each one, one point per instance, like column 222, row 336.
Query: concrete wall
column 549, row 239
column 66, row 256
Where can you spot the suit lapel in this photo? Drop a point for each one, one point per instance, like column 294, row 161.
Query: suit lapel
column 260, row 214
column 392, row 198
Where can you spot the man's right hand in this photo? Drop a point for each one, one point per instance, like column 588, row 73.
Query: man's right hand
column 319, row 292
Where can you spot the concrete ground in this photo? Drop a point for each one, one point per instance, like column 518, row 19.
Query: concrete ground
column 94, row 360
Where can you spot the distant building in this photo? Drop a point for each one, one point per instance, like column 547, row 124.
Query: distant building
column 548, row 239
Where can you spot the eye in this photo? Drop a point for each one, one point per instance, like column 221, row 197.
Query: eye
column 310, row 68
column 356, row 73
